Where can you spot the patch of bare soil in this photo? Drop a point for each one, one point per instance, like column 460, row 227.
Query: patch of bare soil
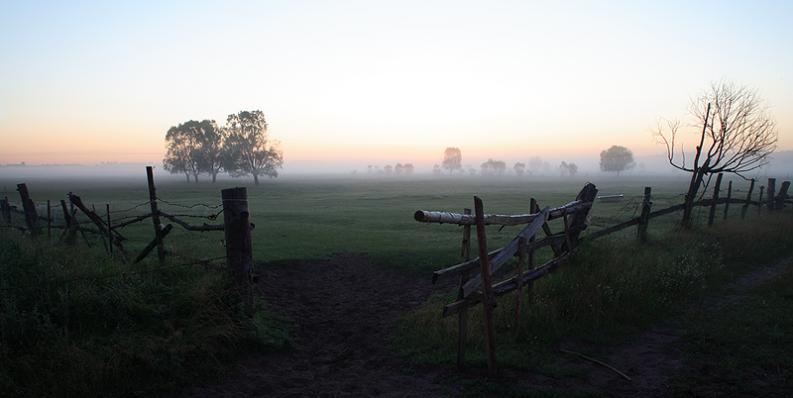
column 344, row 311
column 652, row 358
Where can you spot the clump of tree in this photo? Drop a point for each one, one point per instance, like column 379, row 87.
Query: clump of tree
column 537, row 165
column 568, row 169
column 737, row 136
column 519, row 169
column 616, row 159
column 240, row 148
column 452, row 160
column 406, row 169
column 436, row 170
column 493, row 168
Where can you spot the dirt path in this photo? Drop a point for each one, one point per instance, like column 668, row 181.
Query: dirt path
column 653, row 357
column 344, row 311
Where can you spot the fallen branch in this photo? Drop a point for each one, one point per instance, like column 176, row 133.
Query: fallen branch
column 596, row 361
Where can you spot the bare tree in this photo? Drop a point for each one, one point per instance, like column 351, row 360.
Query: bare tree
column 737, row 136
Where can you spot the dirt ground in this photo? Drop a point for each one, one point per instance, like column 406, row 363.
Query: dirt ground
column 345, row 310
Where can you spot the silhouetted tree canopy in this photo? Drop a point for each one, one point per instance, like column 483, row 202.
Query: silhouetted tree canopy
column 519, row 168
column 452, row 159
column 493, row 167
column 184, row 153
column 568, row 169
column 616, row 159
column 248, row 150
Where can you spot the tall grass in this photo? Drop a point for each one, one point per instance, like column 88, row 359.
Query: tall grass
column 611, row 288
column 74, row 323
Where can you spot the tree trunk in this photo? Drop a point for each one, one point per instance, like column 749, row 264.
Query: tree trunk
column 696, row 181
column 214, row 176
column 195, row 177
column 187, row 176
column 255, row 178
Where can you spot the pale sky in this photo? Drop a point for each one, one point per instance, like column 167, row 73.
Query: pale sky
column 359, row 82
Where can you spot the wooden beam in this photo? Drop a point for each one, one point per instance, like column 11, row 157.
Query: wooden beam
column 443, row 217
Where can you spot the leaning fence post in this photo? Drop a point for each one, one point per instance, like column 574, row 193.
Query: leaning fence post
column 70, row 230
column 239, row 252
column 462, row 316
column 748, row 199
column 781, row 196
column 644, row 218
column 31, row 217
column 155, row 215
column 487, row 297
column 715, row 199
column 727, row 201
column 771, row 189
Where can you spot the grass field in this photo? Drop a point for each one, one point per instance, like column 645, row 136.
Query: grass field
column 314, row 218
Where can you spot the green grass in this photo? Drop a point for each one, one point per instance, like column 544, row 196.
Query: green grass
column 73, row 323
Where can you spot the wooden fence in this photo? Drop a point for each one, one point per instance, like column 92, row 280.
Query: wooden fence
column 236, row 227
column 475, row 276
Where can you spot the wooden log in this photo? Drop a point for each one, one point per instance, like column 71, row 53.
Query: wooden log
column 31, row 218
column 155, row 215
column 534, row 208
column 154, row 243
column 198, row 228
column 113, row 238
column 462, row 316
column 506, row 252
column 779, row 201
column 71, row 228
column 557, row 248
column 487, row 296
column 443, row 217
column 132, row 221
column 729, row 199
column 745, row 207
column 716, row 188
column 644, row 218
column 239, row 252
column 771, row 193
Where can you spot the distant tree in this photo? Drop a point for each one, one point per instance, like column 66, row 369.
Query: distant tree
column 471, row 171
column 183, row 153
column 211, row 139
column 398, row 169
column 436, row 170
column 537, row 165
column 738, row 135
column 616, row 159
column 369, row 169
column 408, row 168
column 493, row 167
column 568, row 169
column 519, row 168
column 388, row 169
column 452, row 159
column 248, row 147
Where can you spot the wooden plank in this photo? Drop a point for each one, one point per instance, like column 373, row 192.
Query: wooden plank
column 198, row 228
column 507, row 251
column 748, row 201
column 443, row 217
column 487, row 296
column 715, row 200
column 153, row 243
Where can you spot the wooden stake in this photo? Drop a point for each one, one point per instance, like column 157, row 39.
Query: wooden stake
column 49, row 220
column 70, row 230
column 522, row 259
column 462, row 316
column 109, row 228
column 31, row 217
column 716, row 189
column 779, row 201
column 487, row 295
column 533, row 208
column 771, row 192
column 729, row 196
column 239, row 253
column 760, row 200
column 155, row 215
column 748, row 199
column 644, row 218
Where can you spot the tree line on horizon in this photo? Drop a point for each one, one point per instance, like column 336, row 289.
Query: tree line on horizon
column 241, row 147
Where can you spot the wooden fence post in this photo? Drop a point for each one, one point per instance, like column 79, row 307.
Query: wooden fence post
column 779, row 201
column 487, row 295
column 727, row 202
column 155, row 215
column 49, row 220
column 109, row 229
column 31, row 217
column 533, row 208
column 715, row 199
column 462, row 316
column 760, row 200
column 771, row 190
column 70, row 229
column 239, row 252
column 522, row 259
column 748, row 199
column 644, row 219
column 5, row 209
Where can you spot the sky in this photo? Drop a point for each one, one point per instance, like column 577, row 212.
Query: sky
column 344, row 84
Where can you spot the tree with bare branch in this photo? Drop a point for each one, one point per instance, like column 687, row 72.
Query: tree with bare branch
column 738, row 135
